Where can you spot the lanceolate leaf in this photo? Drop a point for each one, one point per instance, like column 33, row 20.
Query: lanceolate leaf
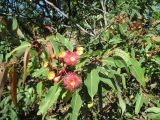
column 42, row 72
column 122, row 104
column 153, row 110
column 124, row 81
column 3, row 77
column 139, row 101
column 55, row 47
column 153, row 116
column 120, row 63
column 137, row 72
column 13, row 84
column 153, row 113
column 76, row 104
column 25, row 63
column 92, row 82
column 39, row 89
column 19, row 51
column 49, row 99
column 122, row 54
column 14, row 23
column 20, row 34
column 108, row 61
column 108, row 82
column 65, row 41
column 133, row 65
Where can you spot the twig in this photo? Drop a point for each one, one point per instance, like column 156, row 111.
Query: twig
column 84, row 30
column 103, row 4
column 56, row 8
column 90, row 6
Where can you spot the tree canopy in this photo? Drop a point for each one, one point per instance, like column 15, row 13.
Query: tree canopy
column 79, row 59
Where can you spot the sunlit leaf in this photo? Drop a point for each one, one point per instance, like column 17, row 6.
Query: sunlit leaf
column 50, row 99
column 124, row 81
column 137, row 72
column 42, row 72
column 18, row 51
column 65, row 41
column 108, row 61
column 20, row 34
column 55, row 47
column 153, row 110
column 92, row 82
column 122, row 104
column 39, row 89
column 76, row 104
column 14, row 23
column 139, row 101
column 108, row 82
column 122, row 54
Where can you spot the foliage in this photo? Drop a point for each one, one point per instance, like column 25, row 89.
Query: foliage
column 79, row 59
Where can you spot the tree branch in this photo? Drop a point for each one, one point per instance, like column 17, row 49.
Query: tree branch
column 56, row 8
column 65, row 15
column 103, row 4
column 81, row 28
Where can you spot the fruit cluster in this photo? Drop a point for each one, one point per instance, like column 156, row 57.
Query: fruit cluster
column 132, row 25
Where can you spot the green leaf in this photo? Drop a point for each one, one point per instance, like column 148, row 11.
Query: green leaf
column 105, row 35
column 115, row 40
column 139, row 101
column 120, row 63
column 65, row 41
column 122, row 104
column 92, row 82
column 108, row 61
column 125, row 56
column 76, row 104
column 1, row 58
column 66, row 96
column 123, row 28
column 137, row 72
column 156, row 59
column 55, row 47
column 124, row 82
column 14, row 23
column 108, row 82
column 42, row 72
column 153, row 113
column 49, row 99
column 19, row 51
column 133, row 65
column 20, row 34
column 153, row 116
column 39, row 89
column 153, row 110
